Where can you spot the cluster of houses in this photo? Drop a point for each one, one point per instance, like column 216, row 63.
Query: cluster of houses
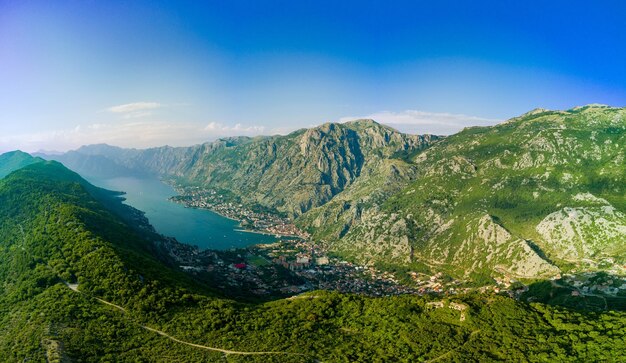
column 259, row 221
column 300, row 262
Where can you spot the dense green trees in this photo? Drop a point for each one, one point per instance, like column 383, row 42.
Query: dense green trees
column 53, row 230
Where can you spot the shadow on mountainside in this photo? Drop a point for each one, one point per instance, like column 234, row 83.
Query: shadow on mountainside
column 589, row 291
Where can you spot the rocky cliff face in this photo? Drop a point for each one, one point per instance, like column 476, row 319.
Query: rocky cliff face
column 525, row 198
column 290, row 174
column 521, row 198
column 305, row 169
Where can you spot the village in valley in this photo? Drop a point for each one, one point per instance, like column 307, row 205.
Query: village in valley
column 295, row 264
column 292, row 265
column 250, row 220
column 285, row 268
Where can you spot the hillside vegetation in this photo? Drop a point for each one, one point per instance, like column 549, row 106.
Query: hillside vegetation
column 288, row 174
column 532, row 197
column 56, row 231
column 525, row 198
column 15, row 160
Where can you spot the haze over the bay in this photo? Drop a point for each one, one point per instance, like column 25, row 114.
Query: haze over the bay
column 151, row 73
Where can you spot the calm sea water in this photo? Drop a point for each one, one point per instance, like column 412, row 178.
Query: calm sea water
column 203, row 228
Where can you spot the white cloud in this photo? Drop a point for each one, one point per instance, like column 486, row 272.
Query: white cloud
column 133, row 107
column 135, row 110
column 422, row 122
column 237, row 130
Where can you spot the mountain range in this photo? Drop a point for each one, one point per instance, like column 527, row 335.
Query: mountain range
column 80, row 282
column 526, row 198
column 288, row 174
column 535, row 196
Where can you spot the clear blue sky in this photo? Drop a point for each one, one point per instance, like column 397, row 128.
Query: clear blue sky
column 144, row 73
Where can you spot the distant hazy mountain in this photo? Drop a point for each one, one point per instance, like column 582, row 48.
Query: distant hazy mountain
column 93, row 165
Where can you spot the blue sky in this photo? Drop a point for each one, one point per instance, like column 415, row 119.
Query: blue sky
column 146, row 73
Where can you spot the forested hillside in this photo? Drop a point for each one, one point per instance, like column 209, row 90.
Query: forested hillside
column 15, row 160
column 535, row 196
column 55, row 234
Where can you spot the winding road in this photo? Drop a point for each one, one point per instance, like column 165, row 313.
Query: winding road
column 74, row 287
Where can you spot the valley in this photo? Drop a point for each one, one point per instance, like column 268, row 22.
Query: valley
column 312, row 181
column 409, row 278
column 501, row 203
column 483, row 249
column 423, row 190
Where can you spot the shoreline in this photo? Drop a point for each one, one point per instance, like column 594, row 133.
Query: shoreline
column 268, row 233
column 254, row 231
column 239, row 228
column 200, row 208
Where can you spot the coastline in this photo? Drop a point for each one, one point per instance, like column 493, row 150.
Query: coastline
column 269, row 233
column 200, row 208
column 254, row 231
column 238, row 228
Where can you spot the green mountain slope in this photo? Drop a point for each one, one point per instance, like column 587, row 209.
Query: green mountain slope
column 522, row 198
column 53, row 229
column 289, row 174
column 15, row 160
column 57, row 236
column 531, row 197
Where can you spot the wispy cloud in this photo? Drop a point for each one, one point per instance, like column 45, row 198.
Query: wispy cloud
column 133, row 107
column 237, row 130
column 423, row 122
column 135, row 110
